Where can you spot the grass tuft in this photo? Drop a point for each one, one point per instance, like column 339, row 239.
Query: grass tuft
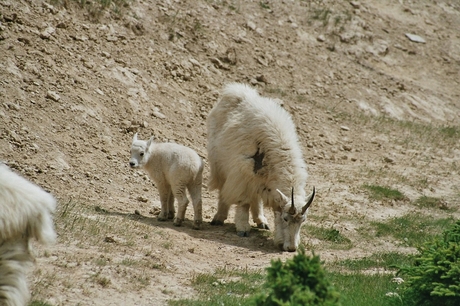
column 384, row 193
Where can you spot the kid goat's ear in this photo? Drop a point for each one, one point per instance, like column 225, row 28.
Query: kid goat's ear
column 150, row 141
column 135, row 137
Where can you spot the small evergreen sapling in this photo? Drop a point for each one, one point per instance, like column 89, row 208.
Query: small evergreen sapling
column 434, row 278
column 299, row 281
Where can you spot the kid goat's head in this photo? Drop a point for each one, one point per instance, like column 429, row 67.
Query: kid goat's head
column 139, row 152
column 288, row 220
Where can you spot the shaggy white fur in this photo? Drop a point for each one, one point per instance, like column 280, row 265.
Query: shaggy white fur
column 174, row 168
column 25, row 213
column 255, row 157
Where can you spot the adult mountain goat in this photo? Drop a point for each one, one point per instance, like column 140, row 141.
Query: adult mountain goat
column 255, row 159
column 25, row 213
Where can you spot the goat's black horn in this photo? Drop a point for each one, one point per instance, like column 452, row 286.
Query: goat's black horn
column 304, row 209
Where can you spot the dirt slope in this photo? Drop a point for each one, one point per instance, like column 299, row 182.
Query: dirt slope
column 73, row 90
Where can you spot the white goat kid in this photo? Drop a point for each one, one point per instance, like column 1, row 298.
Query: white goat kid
column 25, row 213
column 255, row 158
column 174, row 168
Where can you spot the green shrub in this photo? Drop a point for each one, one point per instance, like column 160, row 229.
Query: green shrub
column 434, row 276
column 299, row 281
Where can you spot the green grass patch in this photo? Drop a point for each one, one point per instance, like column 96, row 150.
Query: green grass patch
column 384, row 193
column 336, row 239
column 409, row 134
column 239, row 287
column 357, row 289
column 428, row 202
column 223, row 287
column 387, row 261
column 412, row 229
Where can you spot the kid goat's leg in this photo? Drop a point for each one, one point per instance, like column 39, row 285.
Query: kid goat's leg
column 195, row 194
column 182, row 202
column 171, row 210
column 165, row 194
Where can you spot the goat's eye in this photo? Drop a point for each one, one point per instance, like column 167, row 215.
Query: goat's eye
column 285, row 219
column 142, row 154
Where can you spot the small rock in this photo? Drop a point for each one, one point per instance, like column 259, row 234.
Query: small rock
column 61, row 25
column 46, row 34
column 415, row 38
column 111, row 38
column 262, row 78
column 355, row 4
column 251, row 25
column 137, row 212
column 155, row 211
column 347, row 148
column 321, row 38
column 109, row 239
column 302, row 91
column 345, row 128
column 158, row 115
column 24, row 40
column 262, row 61
column 388, row 159
column 53, row 96
column 125, row 124
column 194, row 62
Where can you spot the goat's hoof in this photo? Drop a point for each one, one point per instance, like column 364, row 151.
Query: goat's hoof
column 177, row 222
column 197, row 224
column 161, row 218
column 263, row 226
column 170, row 216
column 242, row 234
column 217, row 222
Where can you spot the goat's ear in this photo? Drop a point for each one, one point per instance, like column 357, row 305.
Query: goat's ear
column 280, row 198
column 135, row 137
column 150, row 142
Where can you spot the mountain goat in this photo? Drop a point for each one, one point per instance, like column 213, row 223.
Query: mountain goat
column 25, row 213
column 255, row 159
column 174, row 168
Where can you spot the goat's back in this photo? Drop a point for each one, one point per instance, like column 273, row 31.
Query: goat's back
column 241, row 125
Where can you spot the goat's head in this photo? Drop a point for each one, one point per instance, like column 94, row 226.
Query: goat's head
column 288, row 220
column 139, row 152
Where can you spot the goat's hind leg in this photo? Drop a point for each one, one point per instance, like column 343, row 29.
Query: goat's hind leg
column 195, row 194
column 222, row 212
column 182, row 202
column 165, row 199
column 171, row 210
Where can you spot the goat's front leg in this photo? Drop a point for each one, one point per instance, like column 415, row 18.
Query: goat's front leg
column 242, row 220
